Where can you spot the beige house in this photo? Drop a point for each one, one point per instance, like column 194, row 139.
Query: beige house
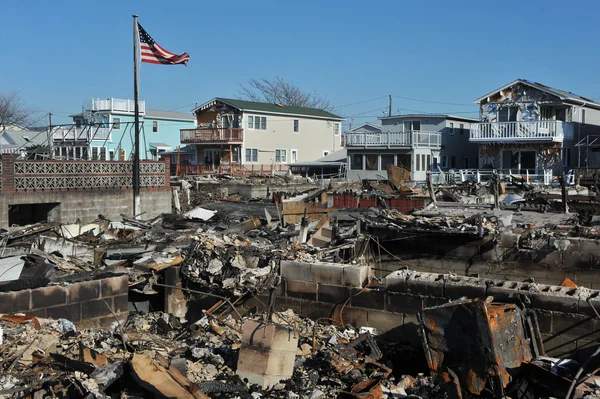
column 256, row 134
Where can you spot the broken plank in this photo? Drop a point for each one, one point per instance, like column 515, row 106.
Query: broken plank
column 180, row 378
column 155, row 379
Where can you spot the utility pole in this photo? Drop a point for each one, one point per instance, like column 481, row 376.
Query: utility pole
column 390, row 108
column 136, row 138
column 50, row 138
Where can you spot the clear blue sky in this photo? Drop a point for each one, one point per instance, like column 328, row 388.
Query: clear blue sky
column 58, row 54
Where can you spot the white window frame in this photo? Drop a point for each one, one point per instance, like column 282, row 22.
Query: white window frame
column 116, row 123
column 281, row 155
column 155, row 127
column 292, row 151
column 451, row 126
column 253, row 125
column 296, row 125
column 337, row 128
column 252, row 152
column 444, row 161
column 326, row 152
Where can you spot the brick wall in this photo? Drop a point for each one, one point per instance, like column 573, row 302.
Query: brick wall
column 567, row 322
column 88, row 304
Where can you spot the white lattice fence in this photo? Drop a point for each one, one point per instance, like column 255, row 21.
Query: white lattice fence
column 49, row 175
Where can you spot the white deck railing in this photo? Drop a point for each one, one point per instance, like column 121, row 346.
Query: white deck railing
column 81, row 133
column 411, row 138
column 116, row 105
column 522, row 131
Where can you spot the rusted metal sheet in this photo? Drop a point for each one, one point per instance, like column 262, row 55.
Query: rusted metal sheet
column 481, row 345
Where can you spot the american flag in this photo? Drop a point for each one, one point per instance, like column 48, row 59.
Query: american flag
column 154, row 54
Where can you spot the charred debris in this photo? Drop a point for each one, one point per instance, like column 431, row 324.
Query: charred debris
column 228, row 249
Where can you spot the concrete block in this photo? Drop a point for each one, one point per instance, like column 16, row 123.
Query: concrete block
column 327, row 273
column 283, row 304
column 395, row 282
column 353, row 316
column 301, row 289
column 95, row 309
column 297, row 271
column 48, row 296
column 333, row 293
column 119, row 285
column 267, row 354
column 425, row 284
column 403, row 303
column 84, row 291
column 17, row 301
column 368, row 298
column 70, row 312
column 120, row 303
column 316, row 310
column 457, row 287
column 355, row 275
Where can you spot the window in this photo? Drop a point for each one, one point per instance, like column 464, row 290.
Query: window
column 451, row 128
column 508, row 114
column 452, row 161
column 94, row 153
column 251, row 154
column 116, row 123
column 281, row 156
column 111, row 155
column 356, row 162
column 371, row 161
column 403, row 160
column 103, row 153
column 154, row 126
column 325, row 153
column 412, row 125
column 444, row 161
column 235, row 155
column 294, row 156
column 466, row 162
column 337, row 127
column 77, row 152
column 296, row 125
column 583, row 116
column 428, row 162
column 461, row 129
column 566, row 157
column 257, row 122
column 423, row 165
column 386, row 159
column 435, row 163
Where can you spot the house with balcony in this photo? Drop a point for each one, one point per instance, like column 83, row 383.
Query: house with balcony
column 260, row 135
column 104, row 130
column 528, row 127
column 418, row 142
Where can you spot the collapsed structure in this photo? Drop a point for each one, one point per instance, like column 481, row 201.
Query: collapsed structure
column 291, row 290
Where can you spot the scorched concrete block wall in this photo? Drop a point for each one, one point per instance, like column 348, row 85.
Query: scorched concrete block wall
column 88, row 304
column 86, row 205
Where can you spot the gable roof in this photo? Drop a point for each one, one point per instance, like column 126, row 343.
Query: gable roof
column 255, row 106
column 15, row 139
column 562, row 94
column 158, row 114
column 367, row 124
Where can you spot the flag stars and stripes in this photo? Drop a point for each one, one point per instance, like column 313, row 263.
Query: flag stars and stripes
column 152, row 53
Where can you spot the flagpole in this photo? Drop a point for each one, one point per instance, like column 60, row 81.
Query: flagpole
column 136, row 141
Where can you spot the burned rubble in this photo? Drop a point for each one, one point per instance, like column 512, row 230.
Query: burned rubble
column 228, row 252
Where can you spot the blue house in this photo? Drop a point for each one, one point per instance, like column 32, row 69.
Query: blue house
column 108, row 127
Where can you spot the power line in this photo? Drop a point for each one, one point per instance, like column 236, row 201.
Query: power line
column 434, row 102
column 361, row 102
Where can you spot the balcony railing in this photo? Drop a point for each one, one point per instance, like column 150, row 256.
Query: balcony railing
column 522, row 131
column 116, row 105
column 209, row 135
column 81, row 133
column 410, row 139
